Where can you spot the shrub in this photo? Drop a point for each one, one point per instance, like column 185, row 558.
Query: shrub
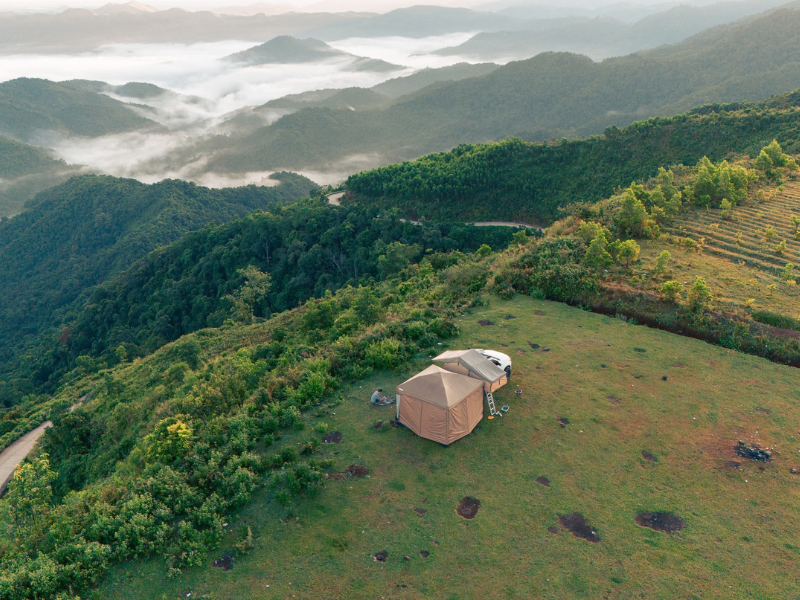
column 384, row 354
column 699, row 297
column 662, row 262
column 671, row 290
column 775, row 320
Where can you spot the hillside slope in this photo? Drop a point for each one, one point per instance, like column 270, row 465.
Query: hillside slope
column 28, row 106
column 549, row 96
column 605, row 37
column 519, row 181
column 78, row 234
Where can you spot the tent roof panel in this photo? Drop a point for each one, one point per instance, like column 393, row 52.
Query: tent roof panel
column 439, row 387
column 473, row 360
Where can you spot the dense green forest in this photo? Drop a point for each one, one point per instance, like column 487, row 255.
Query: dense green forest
column 552, row 95
column 18, row 160
column 291, row 254
column 31, row 105
column 78, row 234
column 522, row 181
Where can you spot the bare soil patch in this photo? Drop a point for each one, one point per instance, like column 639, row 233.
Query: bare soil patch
column 534, row 346
column 733, row 464
column 424, row 553
column 521, row 352
column 753, row 452
column 380, row 556
column 553, row 529
column 580, row 528
column 613, row 399
column 485, row 323
column 648, row 457
column 420, row 511
column 378, row 425
column 351, row 472
column 538, row 313
column 660, row 521
column 763, row 411
column 544, row 481
column 334, row 437
column 564, row 421
column 509, row 317
column 225, row 562
column 468, row 507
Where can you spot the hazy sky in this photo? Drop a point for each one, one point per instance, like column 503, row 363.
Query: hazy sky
column 330, row 5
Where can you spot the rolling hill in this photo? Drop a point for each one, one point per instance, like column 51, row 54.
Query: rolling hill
column 289, row 50
column 30, row 106
column 604, row 37
column 79, row 234
column 552, row 95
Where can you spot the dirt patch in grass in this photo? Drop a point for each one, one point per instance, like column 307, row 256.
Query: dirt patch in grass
column 521, row 352
column 380, row 556
column 580, row 528
column 534, row 346
column 357, row 471
column 660, row 521
column 613, row 399
column 485, row 323
column 334, row 437
column 468, row 507
column 509, row 317
column 544, row 481
column 753, row 452
column 424, row 553
column 225, row 562
column 351, row 472
column 733, row 464
column 763, row 411
column 378, row 425
column 420, row 511
column 563, row 421
column 538, row 313
column 553, row 529
column 648, row 457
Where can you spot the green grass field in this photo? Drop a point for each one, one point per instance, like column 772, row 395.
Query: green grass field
column 605, row 376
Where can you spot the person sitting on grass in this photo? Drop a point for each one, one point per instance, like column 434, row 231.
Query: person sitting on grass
column 378, row 399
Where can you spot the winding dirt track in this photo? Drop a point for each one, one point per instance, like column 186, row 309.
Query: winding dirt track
column 12, row 456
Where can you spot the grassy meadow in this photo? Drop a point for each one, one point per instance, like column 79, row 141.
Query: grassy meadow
column 606, row 377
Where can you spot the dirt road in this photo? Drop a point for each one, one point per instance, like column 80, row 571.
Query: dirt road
column 16, row 453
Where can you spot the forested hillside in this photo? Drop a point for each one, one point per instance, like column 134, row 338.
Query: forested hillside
column 549, row 96
column 522, row 181
column 285, row 256
column 78, row 234
column 28, row 106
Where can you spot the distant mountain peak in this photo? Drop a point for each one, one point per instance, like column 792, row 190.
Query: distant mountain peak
column 132, row 7
column 286, row 49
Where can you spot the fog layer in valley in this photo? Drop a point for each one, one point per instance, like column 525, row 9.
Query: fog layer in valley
column 201, row 91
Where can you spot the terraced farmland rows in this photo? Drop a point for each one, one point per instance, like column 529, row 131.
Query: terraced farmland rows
column 741, row 238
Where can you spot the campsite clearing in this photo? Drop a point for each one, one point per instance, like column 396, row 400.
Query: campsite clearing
column 739, row 538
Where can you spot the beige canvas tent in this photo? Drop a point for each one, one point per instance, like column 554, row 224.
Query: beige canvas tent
column 473, row 364
column 440, row 405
